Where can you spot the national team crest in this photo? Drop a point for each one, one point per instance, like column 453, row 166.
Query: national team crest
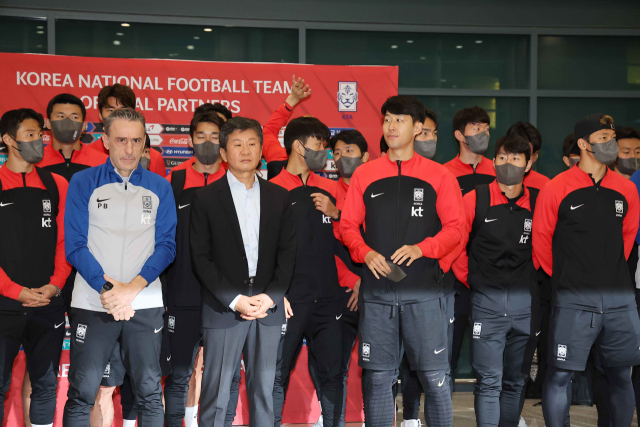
column 477, row 329
column 366, row 349
column 107, row 370
column 146, row 202
column 172, row 322
column 527, row 225
column 619, row 206
column 284, row 329
column 81, row 331
column 46, row 206
column 418, row 194
column 562, row 350
column 348, row 96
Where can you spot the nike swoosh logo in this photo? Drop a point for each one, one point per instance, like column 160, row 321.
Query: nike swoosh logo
column 490, row 220
column 452, row 319
column 102, row 200
column 57, row 326
column 373, row 196
column 576, row 207
column 168, row 358
column 155, row 331
column 538, row 333
column 2, row 205
column 442, row 382
column 338, row 317
column 293, row 203
column 438, row 352
column 183, row 206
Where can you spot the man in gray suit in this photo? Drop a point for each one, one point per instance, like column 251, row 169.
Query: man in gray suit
column 243, row 250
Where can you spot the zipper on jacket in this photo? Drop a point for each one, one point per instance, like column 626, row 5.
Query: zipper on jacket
column 24, row 179
column 396, row 295
column 124, row 230
column 67, row 161
column 206, row 177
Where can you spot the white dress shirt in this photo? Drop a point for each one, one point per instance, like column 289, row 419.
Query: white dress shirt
column 247, row 204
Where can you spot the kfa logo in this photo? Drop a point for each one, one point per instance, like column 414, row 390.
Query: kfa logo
column 527, row 225
column 172, row 323
column 562, row 351
column 146, row 202
column 46, row 222
column 107, row 370
column 326, row 219
column 366, row 349
column 46, row 206
column 619, row 207
column 81, row 331
column 284, row 329
column 347, row 96
column 145, row 219
column 418, row 194
column 416, row 211
column 477, row 329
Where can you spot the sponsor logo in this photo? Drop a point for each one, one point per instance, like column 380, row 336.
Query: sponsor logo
column 172, row 323
column 373, row 196
column 46, row 222
column 107, row 370
column 573, row 208
column 145, row 219
column 326, row 219
column 523, row 239
column 57, row 326
column 156, row 140
column 347, row 96
column 366, row 349
column 183, row 206
column 2, row 205
column 527, row 225
column 154, row 128
column 418, row 194
column 179, row 141
column 619, row 207
column 477, row 329
column 438, row 351
column 452, row 320
column 416, row 211
column 538, row 333
column 490, row 220
column 338, row 317
column 46, row 206
column 101, row 203
column 562, row 351
column 442, row 382
column 169, row 359
column 81, row 331
column 155, row 331
column 284, row 329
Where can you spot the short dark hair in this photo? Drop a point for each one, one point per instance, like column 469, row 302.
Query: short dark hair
column 11, row 120
column 514, row 144
column 383, row 145
column 404, row 104
column 217, row 107
column 627, row 133
column 303, row 128
column 569, row 146
column 432, row 115
column 470, row 115
column 207, row 117
column 528, row 132
column 122, row 93
column 351, row 137
column 66, row 98
column 241, row 124
column 147, row 141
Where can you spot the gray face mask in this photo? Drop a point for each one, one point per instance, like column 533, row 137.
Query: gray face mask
column 628, row 166
column 315, row 160
column 66, row 130
column 425, row 148
column 347, row 165
column 479, row 143
column 508, row 174
column 574, row 161
column 207, row 153
column 145, row 162
column 605, row 152
column 31, row 152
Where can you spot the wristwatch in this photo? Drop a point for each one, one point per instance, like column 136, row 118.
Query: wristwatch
column 58, row 291
column 106, row 288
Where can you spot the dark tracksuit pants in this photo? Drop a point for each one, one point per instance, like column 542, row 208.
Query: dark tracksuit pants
column 93, row 337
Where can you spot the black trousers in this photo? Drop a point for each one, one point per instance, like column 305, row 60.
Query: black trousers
column 40, row 333
column 93, row 337
column 320, row 324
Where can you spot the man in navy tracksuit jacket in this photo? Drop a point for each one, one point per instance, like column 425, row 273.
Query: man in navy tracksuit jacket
column 121, row 223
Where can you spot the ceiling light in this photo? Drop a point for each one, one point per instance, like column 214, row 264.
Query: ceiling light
column 478, row 41
column 40, row 32
column 459, row 46
column 423, row 57
column 40, row 27
column 208, row 30
column 394, row 46
column 196, row 38
column 116, row 42
column 119, row 34
column 409, row 41
column 190, row 47
column 124, row 24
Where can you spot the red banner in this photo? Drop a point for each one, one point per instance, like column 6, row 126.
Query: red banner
column 168, row 91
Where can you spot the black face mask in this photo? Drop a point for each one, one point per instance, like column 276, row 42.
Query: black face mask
column 31, row 152
column 628, row 166
column 605, row 152
column 347, row 165
column 207, row 153
column 66, row 130
column 508, row 174
column 425, row 148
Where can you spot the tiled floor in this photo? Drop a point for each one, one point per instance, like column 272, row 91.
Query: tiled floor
column 463, row 415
